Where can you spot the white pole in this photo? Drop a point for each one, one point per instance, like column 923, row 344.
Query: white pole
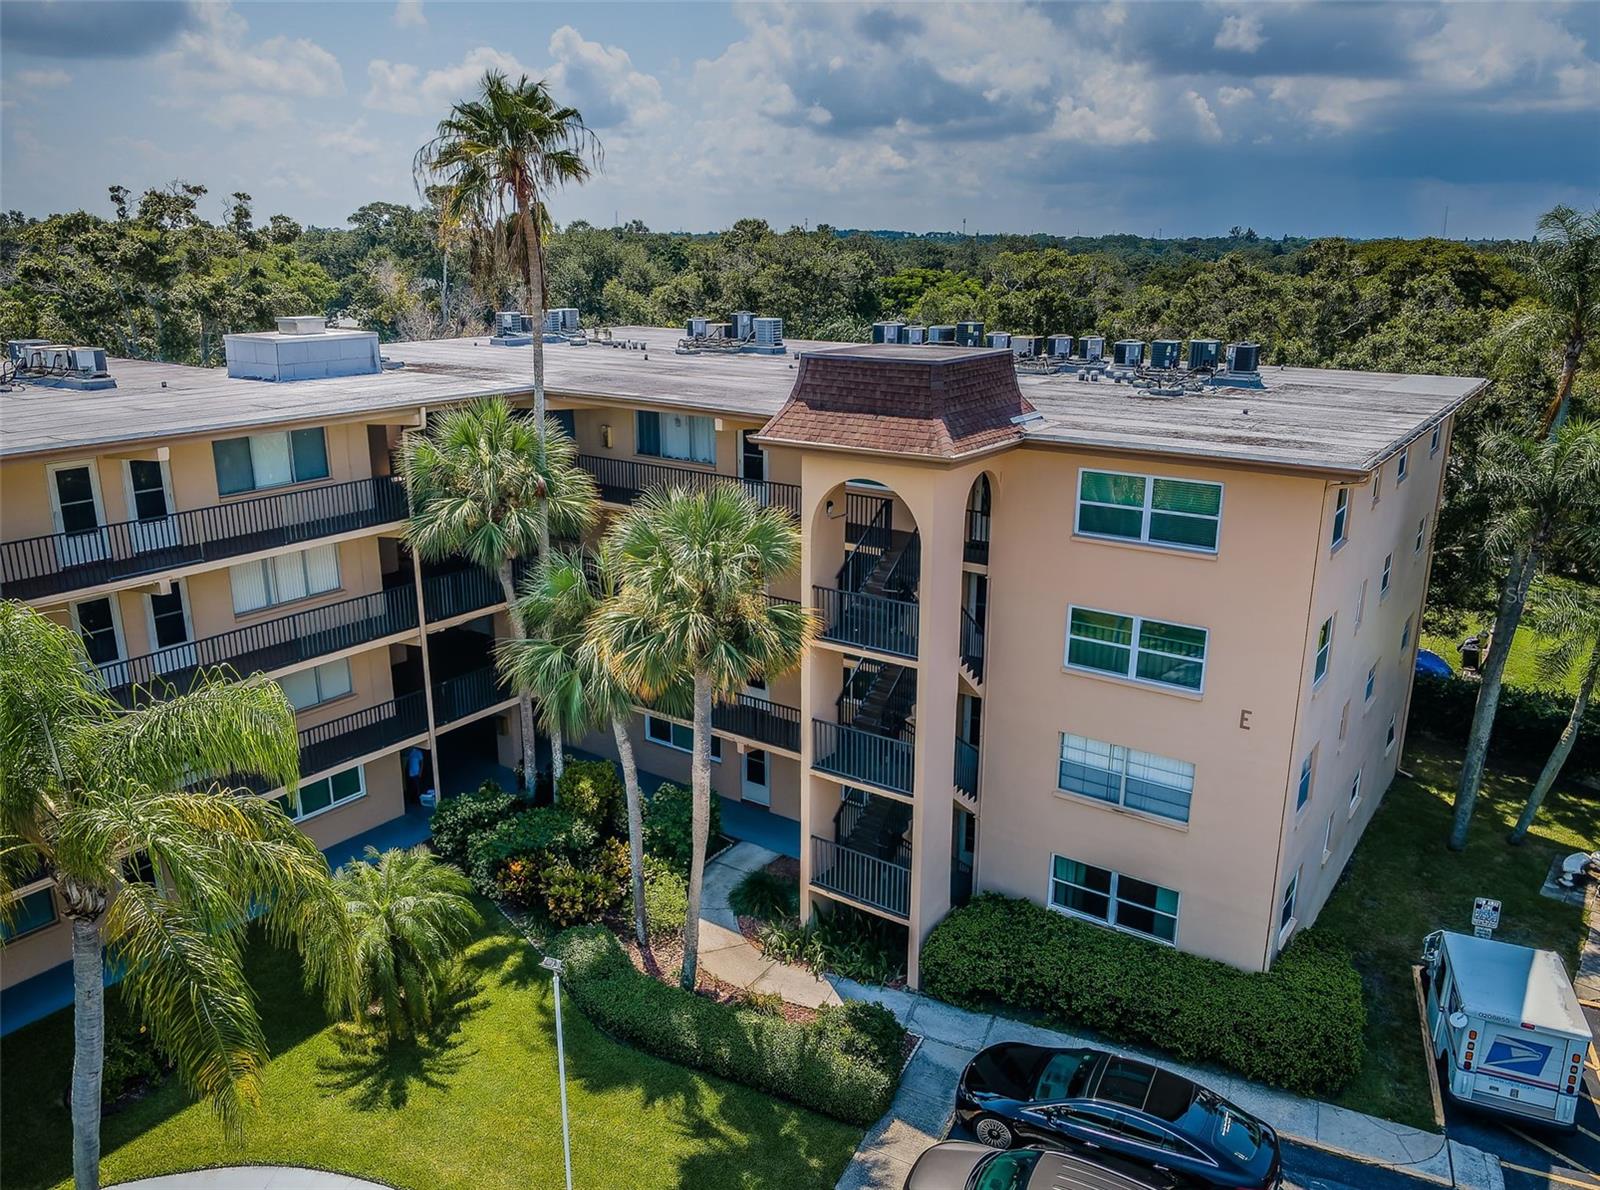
column 554, row 966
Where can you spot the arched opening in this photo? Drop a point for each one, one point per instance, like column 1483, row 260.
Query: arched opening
column 979, row 511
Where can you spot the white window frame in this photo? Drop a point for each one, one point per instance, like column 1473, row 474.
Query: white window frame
column 269, row 583
column 1122, row 756
column 166, row 487
column 92, row 466
column 1133, row 650
column 1304, row 786
column 1377, row 486
column 1402, row 467
column 1370, row 690
column 1384, row 580
column 1405, row 638
column 716, row 741
column 1422, row 537
column 1341, row 518
column 1112, row 902
column 1361, row 604
column 1322, row 661
column 288, row 442
column 315, row 671
column 1391, row 735
column 1355, row 793
column 114, row 602
column 1344, row 721
column 1433, row 442
column 1327, row 839
column 1287, row 918
column 1148, row 508
column 180, row 585
column 361, row 792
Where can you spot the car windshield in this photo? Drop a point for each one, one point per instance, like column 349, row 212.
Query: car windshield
column 1005, row 1171
column 1065, row 1075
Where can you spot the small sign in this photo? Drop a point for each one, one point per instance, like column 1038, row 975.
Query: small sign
column 1485, row 916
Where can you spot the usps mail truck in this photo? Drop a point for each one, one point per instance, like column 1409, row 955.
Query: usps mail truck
column 1506, row 1026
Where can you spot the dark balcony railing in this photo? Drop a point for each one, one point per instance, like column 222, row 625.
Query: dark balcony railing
column 272, row 644
column 870, row 621
column 976, row 548
column 966, row 768
column 469, row 589
column 861, row 877
column 868, row 540
column 456, row 698
column 361, row 733
column 622, row 481
column 972, row 644
column 754, row 718
column 884, row 761
column 61, row 562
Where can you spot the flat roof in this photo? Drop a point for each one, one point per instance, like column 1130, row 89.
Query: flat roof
column 1515, row 984
column 1321, row 420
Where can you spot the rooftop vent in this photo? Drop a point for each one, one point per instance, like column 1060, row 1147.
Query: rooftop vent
column 302, row 348
column 303, row 324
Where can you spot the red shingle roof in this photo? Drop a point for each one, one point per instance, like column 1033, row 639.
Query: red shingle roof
column 937, row 402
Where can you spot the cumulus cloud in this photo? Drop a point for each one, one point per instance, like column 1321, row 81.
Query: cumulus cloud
column 601, row 82
column 408, row 14
column 1205, row 119
column 1239, row 32
column 407, row 89
column 217, row 53
column 350, row 140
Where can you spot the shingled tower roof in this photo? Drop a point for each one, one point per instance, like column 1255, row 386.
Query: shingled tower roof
column 936, row 402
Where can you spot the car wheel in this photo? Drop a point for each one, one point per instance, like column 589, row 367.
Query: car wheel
column 994, row 1132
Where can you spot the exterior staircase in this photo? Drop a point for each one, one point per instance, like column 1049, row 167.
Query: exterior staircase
column 874, row 826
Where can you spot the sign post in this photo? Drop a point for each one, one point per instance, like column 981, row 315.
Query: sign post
column 553, row 965
column 1485, row 917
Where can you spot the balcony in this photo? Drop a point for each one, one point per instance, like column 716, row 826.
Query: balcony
column 966, row 772
column 270, row 645
column 865, row 878
column 976, row 547
column 339, row 741
column 753, row 718
column 460, row 592
column 61, row 562
column 622, row 481
column 856, row 755
column 972, row 645
column 456, row 698
column 865, row 621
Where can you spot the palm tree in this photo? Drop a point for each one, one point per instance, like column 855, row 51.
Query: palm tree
column 483, row 484
column 1563, row 263
column 563, row 666
column 500, row 156
column 1569, row 614
column 155, row 859
column 410, row 915
column 692, row 611
column 1547, row 495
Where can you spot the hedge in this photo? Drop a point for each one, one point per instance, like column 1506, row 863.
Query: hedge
column 834, row 1065
column 1526, row 725
column 1300, row 1025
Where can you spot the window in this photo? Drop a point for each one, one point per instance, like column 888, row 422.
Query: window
column 1402, row 466
column 269, row 460
column 97, row 624
column 1302, row 793
column 1377, row 486
column 1133, row 647
column 1110, row 897
column 316, row 796
column 1422, row 532
column 1344, row 719
column 319, row 684
column 29, row 914
column 1286, row 911
column 1372, row 684
column 1405, row 637
column 1126, row 777
column 1319, row 669
column 283, row 578
column 1433, row 441
column 1388, row 739
column 1361, row 603
column 1327, row 839
column 1341, row 516
column 676, row 735
column 1175, row 512
column 1383, row 581
column 1355, row 791
column 675, row 436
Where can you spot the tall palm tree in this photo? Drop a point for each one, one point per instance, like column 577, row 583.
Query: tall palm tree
column 1563, row 263
column 410, row 915
column 692, row 611
column 155, row 859
column 483, row 484
column 1569, row 615
column 562, row 665
column 500, row 156
column 1547, row 496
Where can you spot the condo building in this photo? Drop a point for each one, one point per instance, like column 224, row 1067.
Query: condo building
column 1135, row 643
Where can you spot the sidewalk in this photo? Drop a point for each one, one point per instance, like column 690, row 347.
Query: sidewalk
column 921, row 1112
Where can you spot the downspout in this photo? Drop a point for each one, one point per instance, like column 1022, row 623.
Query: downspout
column 1422, row 607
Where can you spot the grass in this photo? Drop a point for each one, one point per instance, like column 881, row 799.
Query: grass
column 1522, row 666
column 1403, row 883
column 473, row 1107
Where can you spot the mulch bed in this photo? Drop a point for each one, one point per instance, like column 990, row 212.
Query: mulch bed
column 662, row 959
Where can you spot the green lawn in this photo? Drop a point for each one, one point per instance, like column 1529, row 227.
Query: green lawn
column 476, row 1109
column 1403, row 883
column 1522, row 667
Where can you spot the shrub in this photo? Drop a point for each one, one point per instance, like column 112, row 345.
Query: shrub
column 457, row 819
column 865, row 1030
column 583, row 890
column 844, row 941
column 666, row 899
column 132, row 1063
column 538, row 836
column 804, row 1063
column 1299, row 1026
column 591, row 791
column 668, row 825
column 1525, row 727
column 765, row 896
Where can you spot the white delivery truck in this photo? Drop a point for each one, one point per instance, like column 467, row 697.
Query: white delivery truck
column 1507, row 1026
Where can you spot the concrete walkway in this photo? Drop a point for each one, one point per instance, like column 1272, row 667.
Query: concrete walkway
column 725, row 952
column 253, row 1177
column 922, row 1109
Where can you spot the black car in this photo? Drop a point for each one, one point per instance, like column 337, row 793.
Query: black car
column 958, row 1165
column 1121, row 1112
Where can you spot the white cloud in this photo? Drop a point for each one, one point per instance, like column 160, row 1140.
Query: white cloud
column 240, row 110
column 39, row 80
column 601, row 82
column 404, row 88
column 408, row 14
column 1338, row 104
column 350, row 140
column 1232, row 96
column 1205, row 118
column 1241, row 33
column 217, row 53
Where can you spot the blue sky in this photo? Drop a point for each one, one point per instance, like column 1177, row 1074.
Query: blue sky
column 1145, row 117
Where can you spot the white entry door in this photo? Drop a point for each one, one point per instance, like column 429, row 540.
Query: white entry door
column 170, row 630
column 79, row 516
column 757, row 777
column 150, row 497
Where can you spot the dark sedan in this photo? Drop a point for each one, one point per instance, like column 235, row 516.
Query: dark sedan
column 957, row 1165
column 1120, row 1112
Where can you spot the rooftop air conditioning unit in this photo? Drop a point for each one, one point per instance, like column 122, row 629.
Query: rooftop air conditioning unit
column 87, row 361
column 509, row 322
column 1164, row 353
column 18, row 349
column 1093, row 347
column 562, row 320
column 914, row 334
column 969, row 334
column 1060, row 346
column 941, row 334
column 697, row 328
column 740, row 321
column 1204, row 353
column 768, row 334
column 887, row 332
column 1027, row 346
column 999, row 339
column 1244, row 357
column 1127, row 353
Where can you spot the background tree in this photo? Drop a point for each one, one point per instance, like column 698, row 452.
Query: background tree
column 410, row 915
column 1547, row 494
column 691, row 611
column 1568, row 616
column 155, row 859
column 561, row 664
column 483, row 483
